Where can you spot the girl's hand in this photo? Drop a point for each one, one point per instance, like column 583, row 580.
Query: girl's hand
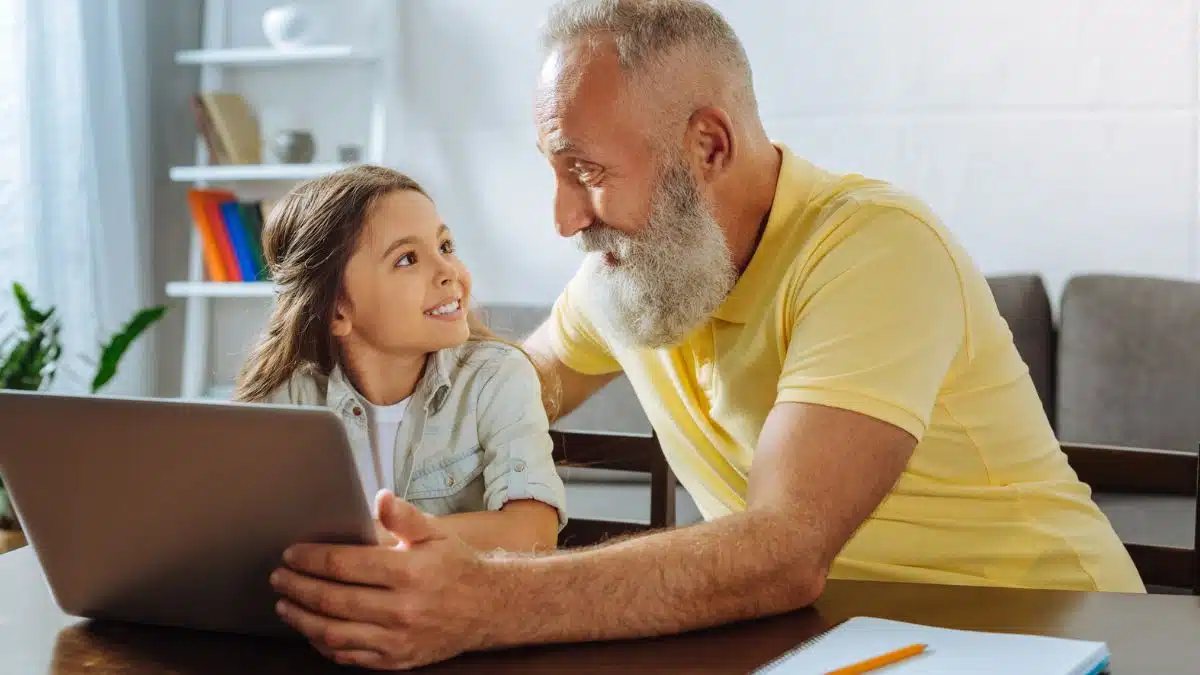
column 384, row 536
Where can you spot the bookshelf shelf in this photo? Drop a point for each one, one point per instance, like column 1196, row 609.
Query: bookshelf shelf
column 251, row 172
column 220, row 289
column 218, row 393
column 267, row 56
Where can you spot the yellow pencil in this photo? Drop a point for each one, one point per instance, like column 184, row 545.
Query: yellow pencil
column 880, row 661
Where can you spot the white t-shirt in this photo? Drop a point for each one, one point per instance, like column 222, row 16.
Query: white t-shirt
column 385, row 422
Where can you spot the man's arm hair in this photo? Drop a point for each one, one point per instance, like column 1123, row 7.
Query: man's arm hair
column 573, row 388
column 818, row 473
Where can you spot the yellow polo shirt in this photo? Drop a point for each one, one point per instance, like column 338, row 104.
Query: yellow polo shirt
column 858, row 298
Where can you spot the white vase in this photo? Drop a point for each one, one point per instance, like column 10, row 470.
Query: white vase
column 287, row 27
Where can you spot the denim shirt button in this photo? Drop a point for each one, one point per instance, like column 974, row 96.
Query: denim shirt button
column 520, row 465
column 449, row 481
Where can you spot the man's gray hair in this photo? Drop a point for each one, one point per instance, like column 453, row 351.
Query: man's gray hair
column 645, row 32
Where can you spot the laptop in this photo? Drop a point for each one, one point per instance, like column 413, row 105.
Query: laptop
column 175, row 512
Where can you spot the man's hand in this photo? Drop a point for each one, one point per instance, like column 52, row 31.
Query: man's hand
column 418, row 601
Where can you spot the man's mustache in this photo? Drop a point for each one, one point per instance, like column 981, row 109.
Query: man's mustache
column 600, row 237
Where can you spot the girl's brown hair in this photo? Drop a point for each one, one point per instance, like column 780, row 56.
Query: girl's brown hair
column 307, row 241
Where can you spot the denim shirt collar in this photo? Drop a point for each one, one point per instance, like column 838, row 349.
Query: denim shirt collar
column 432, row 388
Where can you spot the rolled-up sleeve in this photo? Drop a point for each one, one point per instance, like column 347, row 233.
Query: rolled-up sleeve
column 515, row 435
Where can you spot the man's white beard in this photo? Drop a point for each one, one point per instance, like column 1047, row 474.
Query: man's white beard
column 671, row 277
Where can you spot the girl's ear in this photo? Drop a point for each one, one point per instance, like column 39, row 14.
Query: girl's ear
column 341, row 320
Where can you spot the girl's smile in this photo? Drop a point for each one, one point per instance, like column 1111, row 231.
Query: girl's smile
column 449, row 310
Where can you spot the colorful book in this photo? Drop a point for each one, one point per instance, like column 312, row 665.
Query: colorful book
column 230, row 234
column 212, row 207
column 253, row 224
column 243, row 255
column 213, row 260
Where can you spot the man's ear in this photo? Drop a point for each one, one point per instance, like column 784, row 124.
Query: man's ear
column 710, row 141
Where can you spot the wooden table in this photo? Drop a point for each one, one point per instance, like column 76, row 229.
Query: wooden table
column 1147, row 634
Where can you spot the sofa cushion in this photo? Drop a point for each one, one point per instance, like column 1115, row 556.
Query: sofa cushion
column 1151, row 520
column 1024, row 303
column 1129, row 362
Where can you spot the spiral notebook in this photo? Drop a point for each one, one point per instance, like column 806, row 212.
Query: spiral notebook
column 948, row 652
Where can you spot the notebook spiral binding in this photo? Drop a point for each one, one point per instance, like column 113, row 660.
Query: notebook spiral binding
column 769, row 665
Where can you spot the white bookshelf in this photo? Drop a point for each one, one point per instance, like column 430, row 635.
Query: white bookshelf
column 265, row 56
column 250, row 172
column 220, row 289
column 215, row 56
column 219, row 393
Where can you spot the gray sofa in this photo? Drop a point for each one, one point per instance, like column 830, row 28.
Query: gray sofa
column 1116, row 368
column 1120, row 368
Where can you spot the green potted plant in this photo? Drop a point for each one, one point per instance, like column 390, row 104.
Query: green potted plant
column 30, row 359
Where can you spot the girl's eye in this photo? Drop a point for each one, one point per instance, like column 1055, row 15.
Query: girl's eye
column 406, row 260
column 448, row 247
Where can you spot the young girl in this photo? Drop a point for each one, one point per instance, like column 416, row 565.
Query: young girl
column 372, row 320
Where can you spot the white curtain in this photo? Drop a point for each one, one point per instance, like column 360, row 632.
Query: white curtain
column 86, row 149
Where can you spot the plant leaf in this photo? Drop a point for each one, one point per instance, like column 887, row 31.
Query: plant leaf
column 23, row 368
column 32, row 351
column 111, row 354
column 32, row 317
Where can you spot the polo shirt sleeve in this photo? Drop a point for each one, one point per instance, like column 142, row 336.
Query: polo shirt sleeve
column 876, row 322
column 574, row 337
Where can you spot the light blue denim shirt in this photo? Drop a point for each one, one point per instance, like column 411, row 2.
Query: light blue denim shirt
column 474, row 435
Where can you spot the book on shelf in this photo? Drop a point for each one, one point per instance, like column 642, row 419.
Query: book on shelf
column 230, row 234
column 228, row 126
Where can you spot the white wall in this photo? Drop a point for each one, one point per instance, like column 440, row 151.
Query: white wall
column 1051, row 135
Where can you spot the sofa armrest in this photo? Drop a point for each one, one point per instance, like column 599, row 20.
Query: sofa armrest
column 1109, row 468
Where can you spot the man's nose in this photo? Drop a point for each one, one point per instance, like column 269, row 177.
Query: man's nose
column 572, row 210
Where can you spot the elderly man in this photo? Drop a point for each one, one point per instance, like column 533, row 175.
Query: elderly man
column 824, row 365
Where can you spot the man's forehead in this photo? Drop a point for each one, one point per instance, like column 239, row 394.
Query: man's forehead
column 580, row 86
column 582, row 57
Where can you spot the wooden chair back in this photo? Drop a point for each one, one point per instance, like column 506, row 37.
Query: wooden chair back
column 1141, row 471
column 618, row 452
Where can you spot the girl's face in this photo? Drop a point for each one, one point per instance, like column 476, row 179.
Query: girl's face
column 404, row 290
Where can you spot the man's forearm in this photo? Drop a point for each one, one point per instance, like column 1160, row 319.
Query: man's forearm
column 743, row 566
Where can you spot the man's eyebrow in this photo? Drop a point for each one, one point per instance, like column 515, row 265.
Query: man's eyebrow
column 557, row 145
